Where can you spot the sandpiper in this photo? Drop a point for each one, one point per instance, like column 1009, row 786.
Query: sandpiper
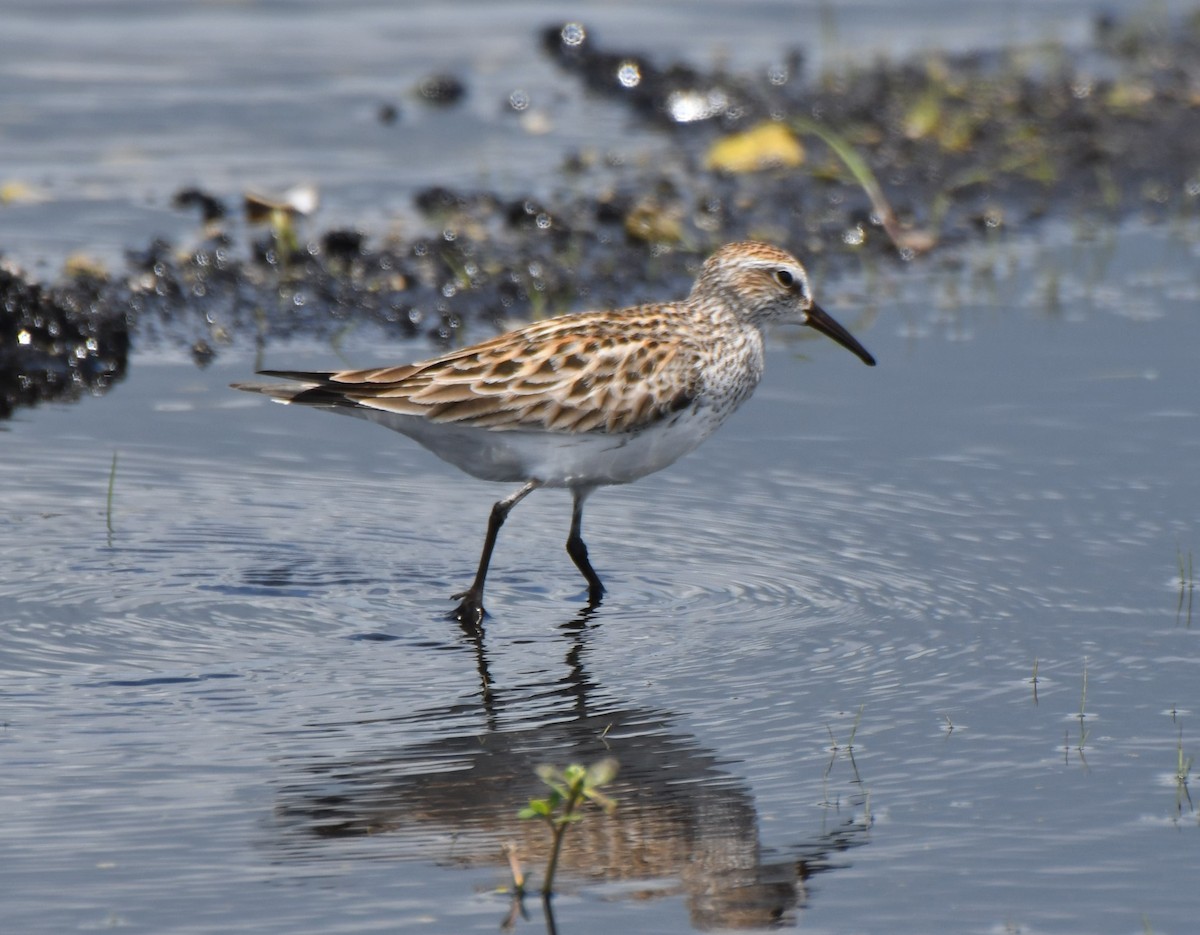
column 584, row 400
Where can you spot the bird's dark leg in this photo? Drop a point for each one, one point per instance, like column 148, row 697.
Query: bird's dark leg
column 470, row 612
column 577, row 548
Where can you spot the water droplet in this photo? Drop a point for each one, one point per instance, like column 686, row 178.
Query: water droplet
column 629, row 73
column 573, row 34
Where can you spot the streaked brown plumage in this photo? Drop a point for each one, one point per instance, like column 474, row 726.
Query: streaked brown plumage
column 597, row 371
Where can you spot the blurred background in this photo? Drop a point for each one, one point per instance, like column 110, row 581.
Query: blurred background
column 109, row 107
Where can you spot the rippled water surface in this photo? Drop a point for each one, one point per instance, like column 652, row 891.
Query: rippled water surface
column 900, row 650
column 242, row 706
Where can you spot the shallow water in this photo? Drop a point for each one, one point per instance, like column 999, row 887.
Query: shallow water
column 242, row 707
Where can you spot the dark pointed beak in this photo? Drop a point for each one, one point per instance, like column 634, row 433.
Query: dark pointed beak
column 817, row 318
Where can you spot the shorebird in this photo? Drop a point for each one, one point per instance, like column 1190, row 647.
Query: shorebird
column 583, row 400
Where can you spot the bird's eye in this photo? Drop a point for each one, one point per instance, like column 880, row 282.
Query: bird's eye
column 785, row 278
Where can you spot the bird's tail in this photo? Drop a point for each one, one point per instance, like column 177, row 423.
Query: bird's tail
column 310, row 389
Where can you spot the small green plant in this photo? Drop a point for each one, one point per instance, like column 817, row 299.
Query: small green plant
column 108, row 513
column 908, row 243
column 1183, row 771
column 1083, row 731
column 836, row 749
column 1187, row 586
column 570, row 789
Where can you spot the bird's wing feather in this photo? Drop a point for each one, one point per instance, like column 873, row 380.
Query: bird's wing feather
column 590, row 372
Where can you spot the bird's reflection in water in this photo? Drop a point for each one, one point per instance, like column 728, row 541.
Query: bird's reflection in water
column 684, row 824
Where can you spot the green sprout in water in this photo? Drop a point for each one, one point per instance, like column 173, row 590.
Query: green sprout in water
column 848, row 749
column 1183, row 771
column 570, row 789
column 1187, row 586
column 108, row 509
column 1083, row 731
column 1082, row 717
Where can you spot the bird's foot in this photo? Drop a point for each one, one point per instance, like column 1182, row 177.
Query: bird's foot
column 469, row 612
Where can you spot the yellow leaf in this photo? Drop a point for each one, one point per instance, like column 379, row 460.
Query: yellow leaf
column 766, row 146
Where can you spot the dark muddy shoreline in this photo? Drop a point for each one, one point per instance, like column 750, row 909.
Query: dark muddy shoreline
column 959, row 147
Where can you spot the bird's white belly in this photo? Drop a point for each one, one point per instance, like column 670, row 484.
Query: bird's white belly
column 557, row 459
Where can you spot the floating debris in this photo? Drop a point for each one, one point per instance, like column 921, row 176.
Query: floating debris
column 441, row 90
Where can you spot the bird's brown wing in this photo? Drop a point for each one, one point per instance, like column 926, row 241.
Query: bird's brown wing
column 592, row 372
